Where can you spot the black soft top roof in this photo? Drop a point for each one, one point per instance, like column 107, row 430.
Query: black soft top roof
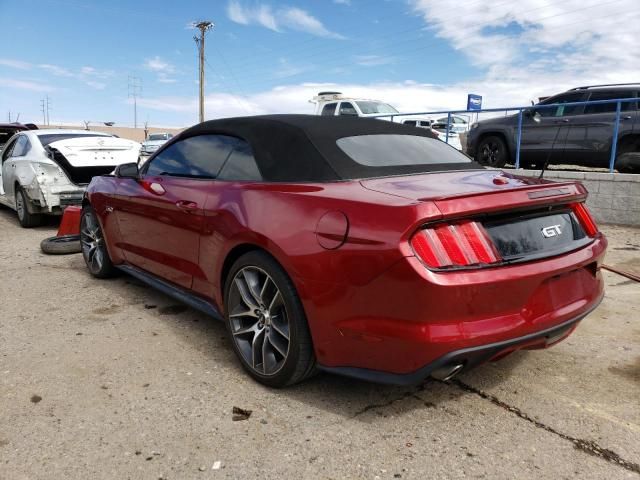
column 302, row 148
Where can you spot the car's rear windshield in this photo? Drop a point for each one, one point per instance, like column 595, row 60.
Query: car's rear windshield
column 396, row 150
column 159, row 136
column 55, row 137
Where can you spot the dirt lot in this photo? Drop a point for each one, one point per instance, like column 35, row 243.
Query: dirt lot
column 110, row 379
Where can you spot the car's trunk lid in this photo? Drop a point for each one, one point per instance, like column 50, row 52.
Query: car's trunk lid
column 82, row 158
column 526, row 218
column 96, row 151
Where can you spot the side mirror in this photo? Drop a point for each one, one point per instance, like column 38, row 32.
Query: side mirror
column 128, row 170
column 536, row 117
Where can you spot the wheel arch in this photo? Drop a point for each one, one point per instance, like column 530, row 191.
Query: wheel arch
column 234, row 254
column 247, row 246
column 630, row 142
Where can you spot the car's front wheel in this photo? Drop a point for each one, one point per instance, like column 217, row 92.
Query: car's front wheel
column 492, row 152
column 26, row 218
column 94, row 249
column 266, row 321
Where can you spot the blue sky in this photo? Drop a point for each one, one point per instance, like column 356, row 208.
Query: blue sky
column 266, row 57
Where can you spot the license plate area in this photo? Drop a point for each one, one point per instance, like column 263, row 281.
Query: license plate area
column 537, row 235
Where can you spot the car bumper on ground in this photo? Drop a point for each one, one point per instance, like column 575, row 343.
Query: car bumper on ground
column 410, row 321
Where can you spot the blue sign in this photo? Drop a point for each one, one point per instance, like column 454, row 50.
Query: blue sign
column 474, row 102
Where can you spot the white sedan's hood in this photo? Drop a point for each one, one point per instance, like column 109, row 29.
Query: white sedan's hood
column 97, row 151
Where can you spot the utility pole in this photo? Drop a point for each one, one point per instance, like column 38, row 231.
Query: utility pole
column 203, row 26
column 134, row 88
column 47, row 102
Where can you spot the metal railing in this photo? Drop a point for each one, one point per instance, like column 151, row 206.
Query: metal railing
column 520, row 110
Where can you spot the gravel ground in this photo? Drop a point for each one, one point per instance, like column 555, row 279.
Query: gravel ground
column 110, row 379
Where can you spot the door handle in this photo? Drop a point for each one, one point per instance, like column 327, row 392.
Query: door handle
column 564, row 120
column 187, row 205
column 626, row 117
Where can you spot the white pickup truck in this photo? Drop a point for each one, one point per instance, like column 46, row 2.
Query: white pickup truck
column 334, row 103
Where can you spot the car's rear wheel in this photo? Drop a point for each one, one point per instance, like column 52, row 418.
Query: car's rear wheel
column 94, row 249
column 492, row 152
column 266, row 321
column 26, row 218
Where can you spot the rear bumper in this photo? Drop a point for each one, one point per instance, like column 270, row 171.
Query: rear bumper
column 409, row 320
column 468, row 358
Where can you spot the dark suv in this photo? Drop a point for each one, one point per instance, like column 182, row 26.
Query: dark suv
column 577, row 135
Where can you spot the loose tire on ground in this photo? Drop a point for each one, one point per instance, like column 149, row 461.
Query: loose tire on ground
column 26, row 219
column 492, row 152
column 62, row 245
column 266, row 322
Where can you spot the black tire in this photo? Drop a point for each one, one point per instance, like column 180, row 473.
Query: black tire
column 628, row 162
column 92, row 242
column 62, row 245
column 492, row 152
column 299, row 361
column 26, row 219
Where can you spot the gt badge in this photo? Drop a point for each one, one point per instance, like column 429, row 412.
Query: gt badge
column 551, row 231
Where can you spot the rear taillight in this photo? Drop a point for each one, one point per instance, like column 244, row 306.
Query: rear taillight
column 585, row 218
column 460, row 244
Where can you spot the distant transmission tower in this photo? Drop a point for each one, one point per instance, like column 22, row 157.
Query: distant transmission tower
column 134, row 89
column 44, row 106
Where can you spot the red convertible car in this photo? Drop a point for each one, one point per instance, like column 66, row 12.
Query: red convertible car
column 349, row 245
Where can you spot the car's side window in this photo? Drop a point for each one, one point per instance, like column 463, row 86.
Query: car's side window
column 201, row 156
column 8, row 150
column 21, row 147
column 241, row 164
column 347, row 108
column 610, row 107
column 329, row 109
column 561, row 110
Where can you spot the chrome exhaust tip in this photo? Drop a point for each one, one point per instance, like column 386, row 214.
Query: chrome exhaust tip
column 447, row 372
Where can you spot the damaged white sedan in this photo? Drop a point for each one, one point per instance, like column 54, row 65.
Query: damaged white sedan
column 44, row 171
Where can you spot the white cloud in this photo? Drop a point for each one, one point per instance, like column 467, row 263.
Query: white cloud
column 96, row 85
column 342, row 2
column 292, row 18
column 164, row 78
column 298, row 19
column 85, row 74
column 162, row 68
column 538, row 47
column 157, row 64
column 373, row 60
column 25, row 85
column 56, row 70
column 8, row 62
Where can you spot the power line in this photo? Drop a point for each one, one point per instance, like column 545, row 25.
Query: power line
column 228, row 90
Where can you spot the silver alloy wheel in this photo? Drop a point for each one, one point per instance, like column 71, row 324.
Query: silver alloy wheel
column 20, row 205
column 258, row 320
column 92, row 242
